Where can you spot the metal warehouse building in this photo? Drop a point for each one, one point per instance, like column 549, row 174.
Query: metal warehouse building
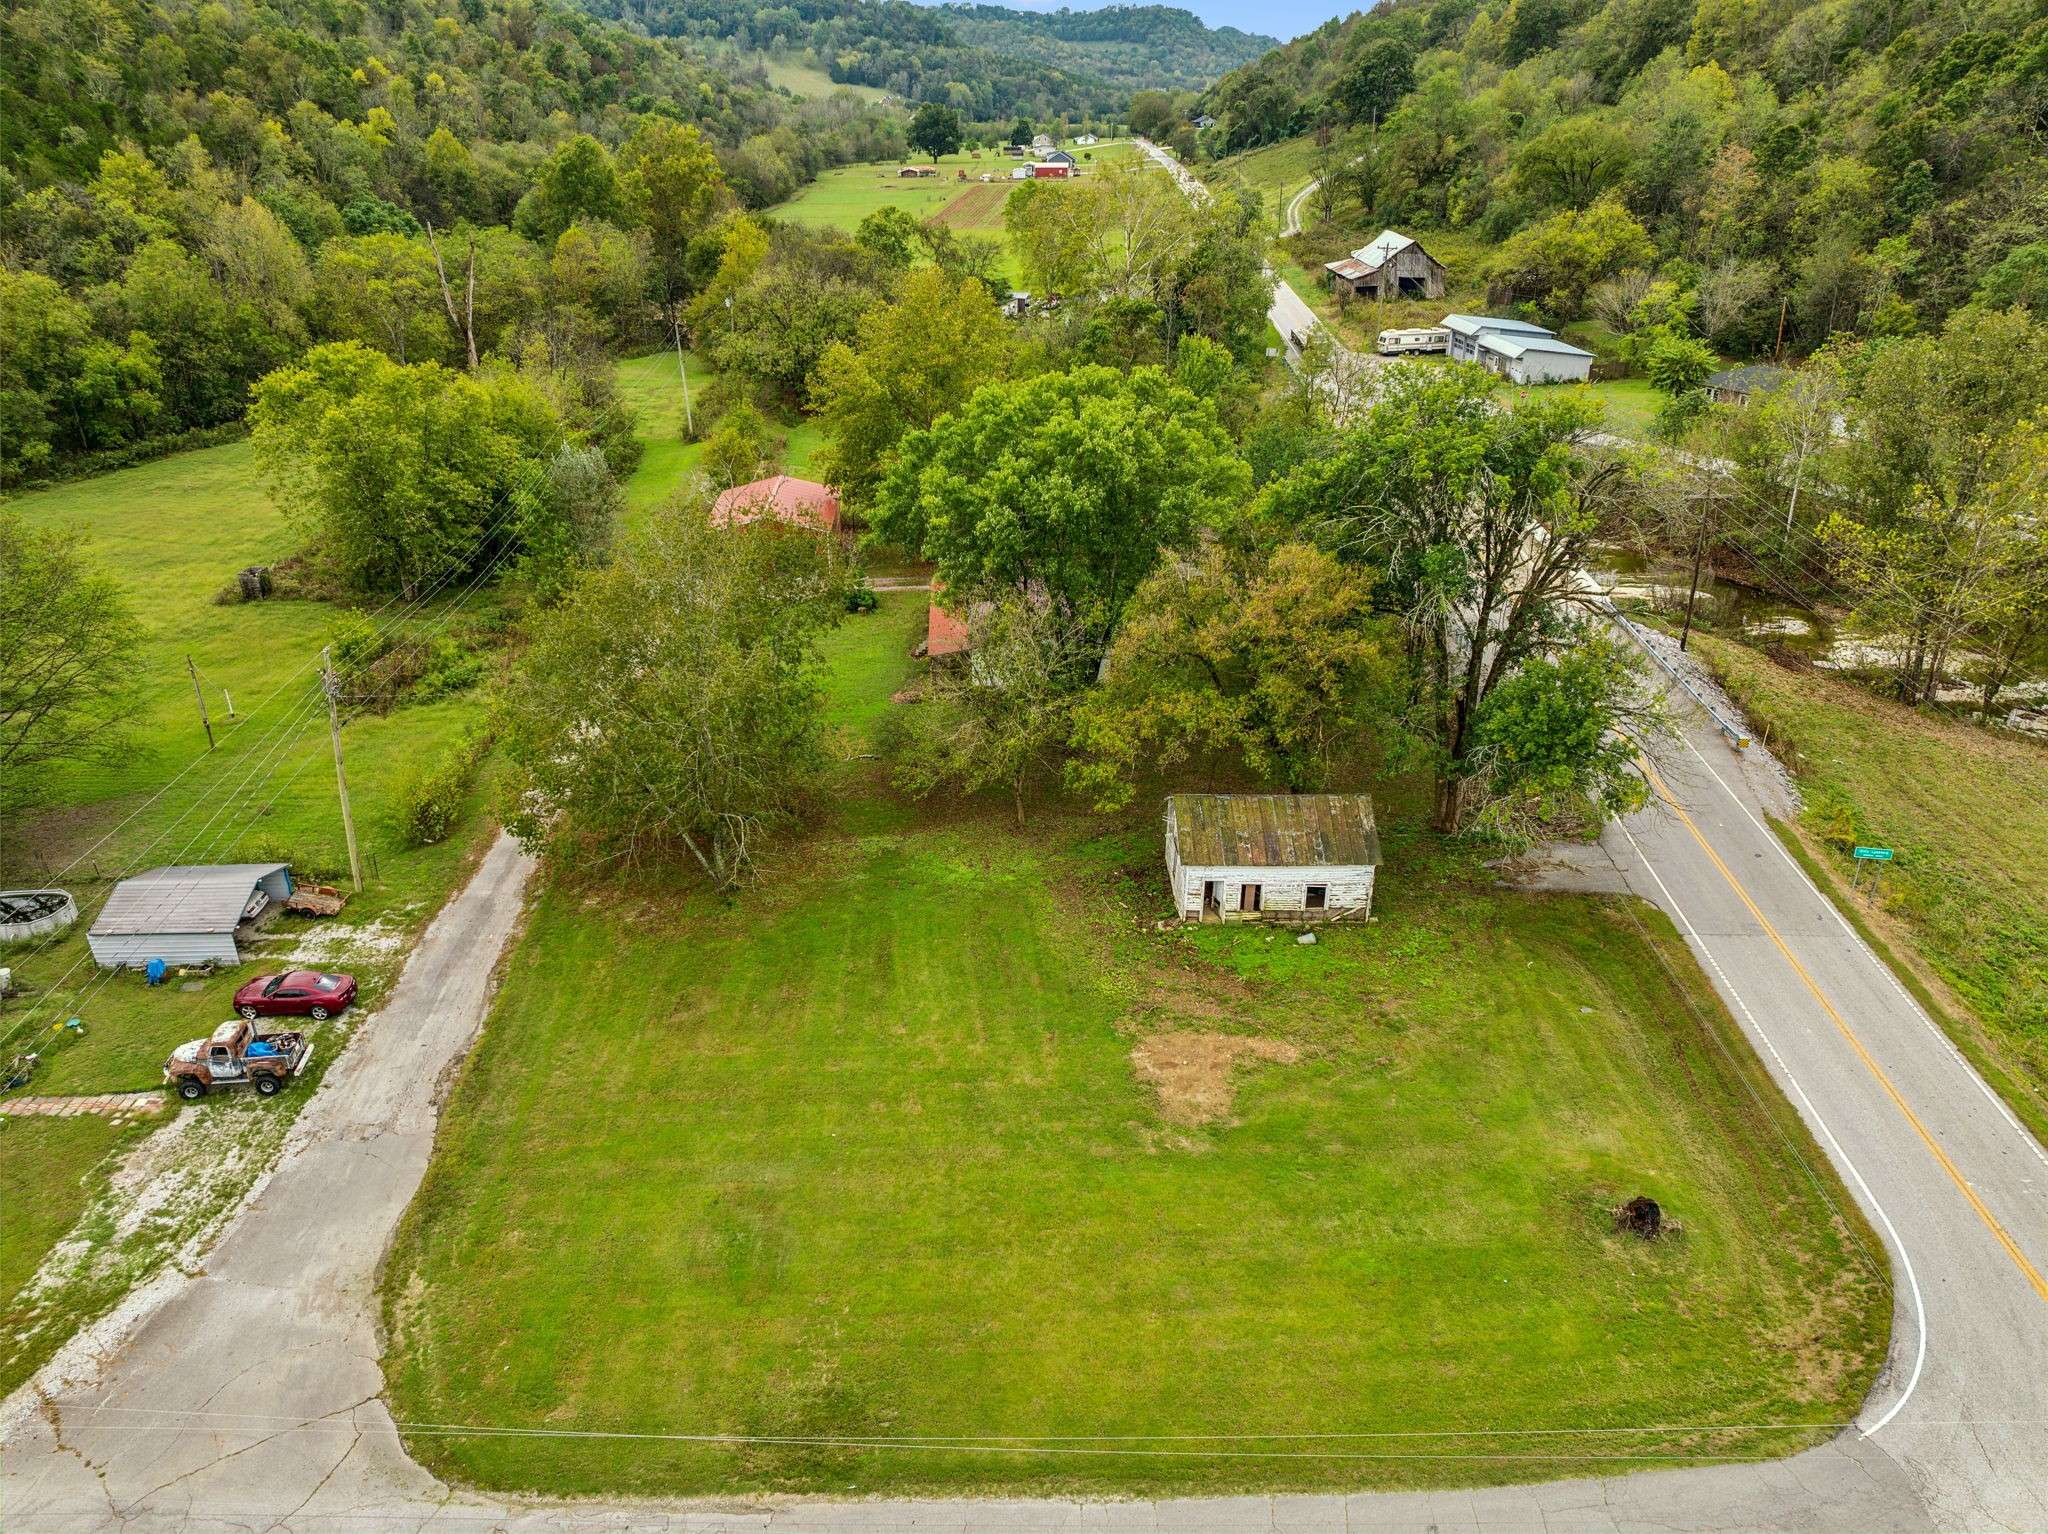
column 185, row 915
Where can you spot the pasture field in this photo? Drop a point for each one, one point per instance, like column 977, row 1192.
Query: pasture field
column 173, row 532
column 1962, row 911
column 1275, row 172
column 810, row 83
column 841, row 198
column 936, row 1134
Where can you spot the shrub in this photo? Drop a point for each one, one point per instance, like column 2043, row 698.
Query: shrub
column 429, row 799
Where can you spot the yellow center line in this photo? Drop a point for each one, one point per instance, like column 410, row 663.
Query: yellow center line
column 2012, row 1247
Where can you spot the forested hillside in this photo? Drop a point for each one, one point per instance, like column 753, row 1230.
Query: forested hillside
column 191, row 193
column 1135, row 47
column 914, row 52
column 1865, row 168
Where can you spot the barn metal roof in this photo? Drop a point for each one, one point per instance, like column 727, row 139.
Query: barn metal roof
column 1755, row 378
column 1479, row 324
column 1274, row 830
column 1516, row 346
column 188, row 898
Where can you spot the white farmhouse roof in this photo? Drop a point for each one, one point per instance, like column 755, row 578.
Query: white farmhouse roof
column 1479, row 324
column 188, row 898
column 1518, row 346
column 1386, row 245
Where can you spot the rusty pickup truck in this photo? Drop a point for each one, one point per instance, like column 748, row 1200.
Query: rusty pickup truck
column 236, row 1055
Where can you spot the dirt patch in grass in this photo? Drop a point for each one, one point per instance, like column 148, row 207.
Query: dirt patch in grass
column 979, row 207
column 1195, row 1073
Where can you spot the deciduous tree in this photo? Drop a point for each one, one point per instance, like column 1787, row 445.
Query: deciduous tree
column 68, row 642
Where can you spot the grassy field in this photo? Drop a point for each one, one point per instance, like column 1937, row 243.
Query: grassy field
column 173, row 533
column 1275, row 172
column 50, row 1168
column 1966, row 901
column 653, row 387
column 936, row 1134
column 809, row 83
column 841, row 198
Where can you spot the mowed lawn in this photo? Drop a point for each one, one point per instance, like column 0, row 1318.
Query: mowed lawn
column 1966, row 812
column 932, row 1137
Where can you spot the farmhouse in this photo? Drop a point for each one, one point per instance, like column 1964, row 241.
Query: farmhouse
column 185, row 915
column 1738, row 386
column 1392, row 266
column 1041, row 142
column 1296, row 857
column 799, row 502
column 1057, row 157
column 1087, row 139
column 918, row 170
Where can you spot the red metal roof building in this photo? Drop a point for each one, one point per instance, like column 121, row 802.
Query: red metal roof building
column 799, row 502
column 945, row 633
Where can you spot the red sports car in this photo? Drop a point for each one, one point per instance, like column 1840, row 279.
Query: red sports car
column 299, row 993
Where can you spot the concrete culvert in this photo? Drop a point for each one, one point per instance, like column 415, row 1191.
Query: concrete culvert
column 1640, row 1216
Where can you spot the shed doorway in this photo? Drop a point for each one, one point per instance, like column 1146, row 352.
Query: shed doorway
column 1249, row 897
column 1212, row 903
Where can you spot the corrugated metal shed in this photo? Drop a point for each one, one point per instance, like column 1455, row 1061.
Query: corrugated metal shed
column 184, row 914
column 1275, row 830
column 192, row 898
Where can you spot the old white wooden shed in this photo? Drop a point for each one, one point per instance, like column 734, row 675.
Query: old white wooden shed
column 184, row 915
column 1289, row 857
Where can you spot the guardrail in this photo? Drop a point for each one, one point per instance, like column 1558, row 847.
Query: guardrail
column 1735, row 736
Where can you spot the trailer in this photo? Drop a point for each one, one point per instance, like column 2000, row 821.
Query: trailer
column 1413, row 342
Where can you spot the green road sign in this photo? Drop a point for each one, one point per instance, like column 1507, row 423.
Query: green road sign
column 1875, row 854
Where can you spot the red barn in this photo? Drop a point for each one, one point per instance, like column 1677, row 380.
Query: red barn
column 1053, row 171
column 799, row 502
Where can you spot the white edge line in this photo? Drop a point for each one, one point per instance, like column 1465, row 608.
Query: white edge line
column 1841, row 1156
column 1882, row 968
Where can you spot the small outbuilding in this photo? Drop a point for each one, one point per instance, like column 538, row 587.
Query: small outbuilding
column 1738, row 386
column 191, row 914
column 1392, row 266
column 1051, row 170
column 1086, row 139
column 799, row 502
column 1543, row 359
column 1289, row 857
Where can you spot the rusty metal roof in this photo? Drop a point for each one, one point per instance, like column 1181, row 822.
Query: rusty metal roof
column 1274, row 830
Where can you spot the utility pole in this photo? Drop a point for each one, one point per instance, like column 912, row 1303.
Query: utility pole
column 689, row 421
column 205, row 723
column 331, row 686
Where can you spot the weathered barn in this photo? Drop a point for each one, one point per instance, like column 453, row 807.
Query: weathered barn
column 1738, row 386
column 799, row 502
column 1392, row 266
column 1294, row 857
column 185, row 915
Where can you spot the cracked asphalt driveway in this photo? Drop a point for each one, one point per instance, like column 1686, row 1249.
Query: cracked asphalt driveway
column 246, row 1397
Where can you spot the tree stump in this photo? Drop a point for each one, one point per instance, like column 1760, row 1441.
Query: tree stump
column 254, row 582
column 1640, row 1216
